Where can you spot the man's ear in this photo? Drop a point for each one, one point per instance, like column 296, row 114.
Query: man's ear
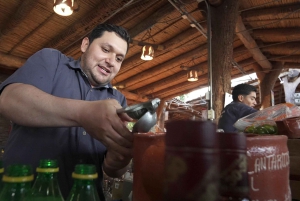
column 84, row 44
column 240, row 98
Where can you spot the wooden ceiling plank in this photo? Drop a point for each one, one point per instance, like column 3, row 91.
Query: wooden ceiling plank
column 285, row 58
column 251, row 45
column 181, row 77
column 181, row 87
column 23, row 10
column 135, row 60
column 163, row 68
column 131, row 12
column 133, row 96
column 119, row 19
column 190, row 88
column 10, row 60
column 287, row 48
column 147, row 23
column 171, row 80
column 277, row 34
column 105, row 10
column 31, row 33
column 291, row 65
column 272, row 12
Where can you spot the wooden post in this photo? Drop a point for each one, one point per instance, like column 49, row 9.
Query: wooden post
column 223, row 21
column 267, row 84
column 161, row 116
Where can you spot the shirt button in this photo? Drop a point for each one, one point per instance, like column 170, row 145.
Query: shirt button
column 83, row 133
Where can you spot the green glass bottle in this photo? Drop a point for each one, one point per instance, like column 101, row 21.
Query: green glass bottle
column 17, row 180
column 1, row 174
column 84, row 188
column 45, row 187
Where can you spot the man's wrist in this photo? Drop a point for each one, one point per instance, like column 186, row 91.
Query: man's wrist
column 113, row 170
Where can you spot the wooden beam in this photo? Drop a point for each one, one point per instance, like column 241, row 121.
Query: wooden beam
column 291, row 65
column 186, row 87
column 288, row 48
column 270, row 22
column 277, row 34
column 24, row 8
column 215, row 2
column 147, row 23
column 105, row 10
column 285, row 58
column 11, row 61
column 176, row 78
column 267, row 84
column 241, row 50
column 120, row 19
column 133, row 96
column 6, row 71
column 186, row 91
column 259, row 72
column 173, row 43
column 251, row 45
column 181, row 77
column 165, row 68
column 253, row 14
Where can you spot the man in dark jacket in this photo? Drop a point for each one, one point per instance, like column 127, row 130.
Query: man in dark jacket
column 243, row 96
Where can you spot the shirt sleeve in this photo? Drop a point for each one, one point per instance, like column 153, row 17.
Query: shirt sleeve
column 38, row 70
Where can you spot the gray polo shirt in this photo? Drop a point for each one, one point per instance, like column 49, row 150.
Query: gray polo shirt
column 59, row 75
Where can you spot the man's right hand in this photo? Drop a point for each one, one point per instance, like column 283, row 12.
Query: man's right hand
column 101, row 121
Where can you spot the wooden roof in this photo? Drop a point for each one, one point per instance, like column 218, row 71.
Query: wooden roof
column 274, row 25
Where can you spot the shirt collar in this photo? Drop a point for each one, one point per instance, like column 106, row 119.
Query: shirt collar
column 75, row 64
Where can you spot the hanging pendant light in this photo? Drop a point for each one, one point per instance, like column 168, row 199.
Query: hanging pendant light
column 147, row 52
column 192, row 75
column 63, row 7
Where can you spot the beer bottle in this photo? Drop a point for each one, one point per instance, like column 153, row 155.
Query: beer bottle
column 46, row 186
column 84, row 188
column 17, row 181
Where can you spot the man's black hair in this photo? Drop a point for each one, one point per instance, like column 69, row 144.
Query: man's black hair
column 242, row 89
column 101, row 28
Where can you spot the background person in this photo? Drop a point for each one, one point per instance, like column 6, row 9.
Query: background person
column 65, row 109
column 243, row 96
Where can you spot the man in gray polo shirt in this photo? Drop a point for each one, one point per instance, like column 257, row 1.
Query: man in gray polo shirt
column 65, row 109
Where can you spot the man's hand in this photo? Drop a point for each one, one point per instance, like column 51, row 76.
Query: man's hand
column 113, row 166
column 101, row 121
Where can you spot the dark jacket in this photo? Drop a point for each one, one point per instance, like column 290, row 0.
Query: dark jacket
column 231, row 113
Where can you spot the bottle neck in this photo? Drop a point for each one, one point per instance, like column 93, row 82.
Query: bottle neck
column 84, row 182
column 47, row 175
column 85, row 189
column 17, row 191
column 46, row 185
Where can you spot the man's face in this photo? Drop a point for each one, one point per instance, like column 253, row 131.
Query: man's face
column 101, row 60
column 249, row 99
